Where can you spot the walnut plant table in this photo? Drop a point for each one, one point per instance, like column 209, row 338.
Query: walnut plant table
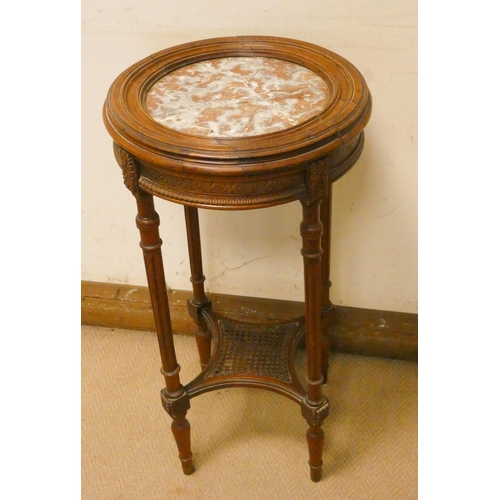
column 231, row 124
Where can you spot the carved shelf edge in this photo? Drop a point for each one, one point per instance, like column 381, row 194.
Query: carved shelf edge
column 251, row 355
column 228, row 202
column 229, row 193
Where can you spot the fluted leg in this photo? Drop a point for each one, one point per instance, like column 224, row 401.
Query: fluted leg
column 175, row 399
column 326, row 305
column 199, row 300
column 315, row 406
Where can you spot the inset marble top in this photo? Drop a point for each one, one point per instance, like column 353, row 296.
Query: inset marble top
column 237, row 97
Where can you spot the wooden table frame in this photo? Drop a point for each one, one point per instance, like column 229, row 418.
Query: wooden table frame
column 300, row 163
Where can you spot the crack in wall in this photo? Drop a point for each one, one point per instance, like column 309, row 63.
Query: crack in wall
column 226, row 269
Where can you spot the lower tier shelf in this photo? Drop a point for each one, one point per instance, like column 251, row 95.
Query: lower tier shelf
column 251, row 355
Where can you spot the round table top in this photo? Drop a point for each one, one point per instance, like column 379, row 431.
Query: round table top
column 236, row 122
column 237, row 97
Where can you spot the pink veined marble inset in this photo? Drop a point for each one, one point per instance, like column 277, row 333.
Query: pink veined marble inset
column 237, row 97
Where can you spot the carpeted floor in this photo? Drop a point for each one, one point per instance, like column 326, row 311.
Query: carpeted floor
column 247, row 444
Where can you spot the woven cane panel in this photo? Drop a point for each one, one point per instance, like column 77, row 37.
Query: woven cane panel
column 254, row 350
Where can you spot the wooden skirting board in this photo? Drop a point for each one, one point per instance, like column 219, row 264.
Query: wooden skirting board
column 366, row 332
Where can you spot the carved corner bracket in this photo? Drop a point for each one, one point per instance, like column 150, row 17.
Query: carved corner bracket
column 315, row 415
column 317, row 182
column 130, row 168
column 175, row 407
column 195, row 309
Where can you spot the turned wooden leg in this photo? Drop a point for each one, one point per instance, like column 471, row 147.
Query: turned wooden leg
column 315, row 406
column 199, row 300
column 174, row 397
column 327, row 310
column 315, row 440
column 181, row 430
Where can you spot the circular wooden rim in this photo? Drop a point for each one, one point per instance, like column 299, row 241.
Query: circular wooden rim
column 344, row 116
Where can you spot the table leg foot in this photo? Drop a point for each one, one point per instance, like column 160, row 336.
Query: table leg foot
column 315, row 416
column 177, row 407
column 181, row 430
column 315, row 440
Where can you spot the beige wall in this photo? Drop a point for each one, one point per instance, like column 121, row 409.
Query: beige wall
column 257, row 253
